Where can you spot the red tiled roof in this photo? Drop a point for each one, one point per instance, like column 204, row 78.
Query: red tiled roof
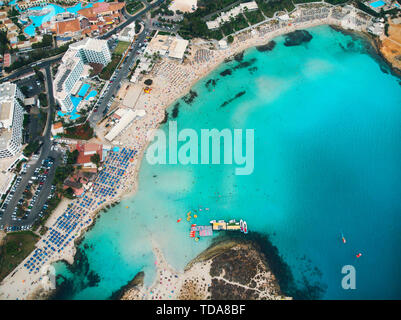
column 89, row 147
column 57, row 125
column 101, row 7
column 68, row 26
column 7, row 60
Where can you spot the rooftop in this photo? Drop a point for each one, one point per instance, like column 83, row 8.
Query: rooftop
column 88, row 44
column 68, row 26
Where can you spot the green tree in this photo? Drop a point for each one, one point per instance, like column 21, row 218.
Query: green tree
column 95, row 159
column 69, row 193
column 72, row 157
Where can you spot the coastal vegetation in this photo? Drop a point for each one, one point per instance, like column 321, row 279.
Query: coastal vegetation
column 15, row 248
column 254, row 16
column 194, row 23
column 108, row 70
column 270, row 7
column 133, row 6
column 81, row 132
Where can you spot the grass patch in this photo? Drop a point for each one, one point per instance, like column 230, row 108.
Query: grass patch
column 16, row 247
column 108, row 70
column 121, row 47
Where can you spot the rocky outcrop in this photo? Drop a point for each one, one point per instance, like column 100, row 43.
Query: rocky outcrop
column 297, row 37
column 390, row 46
column 238, row 271
column 131, row 291
column 267, row 47
column 231, row 269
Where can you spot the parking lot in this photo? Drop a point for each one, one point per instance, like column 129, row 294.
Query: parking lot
column 30, row 86
column 33, row 201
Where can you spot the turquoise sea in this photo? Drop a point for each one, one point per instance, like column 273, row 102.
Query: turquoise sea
column 327, row 121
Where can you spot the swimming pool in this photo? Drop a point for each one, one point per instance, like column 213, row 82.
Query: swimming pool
column 37, row 21
column 83, row 90
column 75, row 101
column 91, row 94
column 377, row 4
column 73, row 113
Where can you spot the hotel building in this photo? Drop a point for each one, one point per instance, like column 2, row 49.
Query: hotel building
column 74, row 66
column 11, row 119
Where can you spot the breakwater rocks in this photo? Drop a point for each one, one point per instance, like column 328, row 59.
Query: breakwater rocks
column 174, row 114
column 238, row 95
column 267, row 47
column 190, row 97
column 297, row 37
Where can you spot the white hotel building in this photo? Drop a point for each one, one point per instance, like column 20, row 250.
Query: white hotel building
column 74, row 66
column 11, row 119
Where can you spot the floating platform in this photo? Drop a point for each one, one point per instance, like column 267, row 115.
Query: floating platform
column 207, row 231
column 204, row 231
column 232, row 225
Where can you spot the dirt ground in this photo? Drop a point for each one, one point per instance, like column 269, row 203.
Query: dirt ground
column 391, row 46
column 183, row 5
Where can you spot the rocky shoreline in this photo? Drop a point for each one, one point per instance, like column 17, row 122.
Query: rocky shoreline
column 232, row 268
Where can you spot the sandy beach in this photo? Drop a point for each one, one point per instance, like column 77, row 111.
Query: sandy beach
column 171, row 80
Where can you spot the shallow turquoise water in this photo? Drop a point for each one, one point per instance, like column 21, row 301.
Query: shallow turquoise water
column 327, row 161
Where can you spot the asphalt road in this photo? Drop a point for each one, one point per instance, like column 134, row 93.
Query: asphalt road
column 121, row 73
column 94, row 118
column 44, row 153
column 131, row 19
column 28, row 68
column 49, row 61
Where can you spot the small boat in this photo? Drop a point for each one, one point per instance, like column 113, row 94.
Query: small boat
column 241, row 223
column 179, row 220
column 245, row 227
column 359, row 255
column 343, row 239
